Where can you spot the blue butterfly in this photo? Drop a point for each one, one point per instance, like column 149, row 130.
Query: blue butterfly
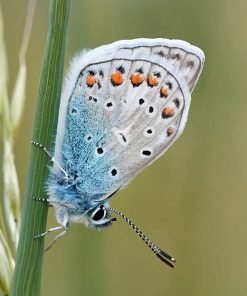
column 122, row 107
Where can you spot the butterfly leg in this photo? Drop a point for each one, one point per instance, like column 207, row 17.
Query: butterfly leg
column 65, row 228
column 56, row 238
column 64, row 204
column 48, row 231
column 52, row 159
column 42, row 200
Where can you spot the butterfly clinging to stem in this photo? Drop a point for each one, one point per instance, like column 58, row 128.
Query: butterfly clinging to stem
column 122, row 107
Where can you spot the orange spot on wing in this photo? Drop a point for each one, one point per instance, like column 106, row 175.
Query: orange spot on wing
column 164, row 91
column 169, row 131
column 90, row 80
column 168, row 112
column 117, row 78
column 136, row 79
column 152, row 80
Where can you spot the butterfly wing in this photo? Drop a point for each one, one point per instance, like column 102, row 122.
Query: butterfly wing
column 122, row 106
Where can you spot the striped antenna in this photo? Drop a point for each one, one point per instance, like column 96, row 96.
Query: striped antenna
column 163, row 256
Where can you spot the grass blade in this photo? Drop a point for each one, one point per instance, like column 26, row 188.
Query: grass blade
column 27, row 276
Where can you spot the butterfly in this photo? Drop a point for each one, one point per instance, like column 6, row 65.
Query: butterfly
column 122, row 106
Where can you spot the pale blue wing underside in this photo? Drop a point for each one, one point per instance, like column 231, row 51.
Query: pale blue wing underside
column 122, row 107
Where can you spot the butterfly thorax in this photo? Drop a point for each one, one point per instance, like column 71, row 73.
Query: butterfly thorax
column 72, row 205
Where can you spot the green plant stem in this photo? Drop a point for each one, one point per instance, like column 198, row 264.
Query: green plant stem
column 27, row 275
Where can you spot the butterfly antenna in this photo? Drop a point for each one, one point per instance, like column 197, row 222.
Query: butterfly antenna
column 163, row 256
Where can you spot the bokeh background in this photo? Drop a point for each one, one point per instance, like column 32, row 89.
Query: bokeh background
column 192, row 201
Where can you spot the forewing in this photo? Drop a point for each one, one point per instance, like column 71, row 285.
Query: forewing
column 123, row 106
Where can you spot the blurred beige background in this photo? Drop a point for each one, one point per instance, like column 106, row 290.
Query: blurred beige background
column 192, row 201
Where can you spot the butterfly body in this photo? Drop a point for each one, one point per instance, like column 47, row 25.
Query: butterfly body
column 122, row 107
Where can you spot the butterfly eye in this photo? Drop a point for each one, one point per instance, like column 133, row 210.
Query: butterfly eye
column 99, row 214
